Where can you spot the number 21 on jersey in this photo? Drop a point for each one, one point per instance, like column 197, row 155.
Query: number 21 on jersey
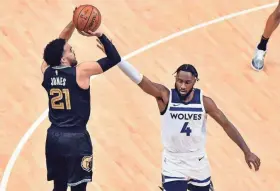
column 57, row 102
column 186, row 129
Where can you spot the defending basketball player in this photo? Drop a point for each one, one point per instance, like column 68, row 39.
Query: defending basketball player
column 184, row 111
column 68, row 146
column 260, row 52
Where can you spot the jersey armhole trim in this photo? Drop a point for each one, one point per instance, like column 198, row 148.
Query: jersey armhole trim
column 44, row 75
column 201, row 101
column 165, row 109
column 167, row 105
column 78, row 84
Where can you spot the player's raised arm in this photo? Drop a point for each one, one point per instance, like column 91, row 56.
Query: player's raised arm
column 90, row 68
column 156, row 90
column 232, row 132
column 67, row 31
column 66, row 34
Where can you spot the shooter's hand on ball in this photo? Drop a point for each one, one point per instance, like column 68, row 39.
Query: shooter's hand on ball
column 90, row 33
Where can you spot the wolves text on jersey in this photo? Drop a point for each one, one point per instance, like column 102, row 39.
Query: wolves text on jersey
column 185, row 116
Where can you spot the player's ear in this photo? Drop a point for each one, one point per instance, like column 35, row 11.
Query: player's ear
column 63, row 59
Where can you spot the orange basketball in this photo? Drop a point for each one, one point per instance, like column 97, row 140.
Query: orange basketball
column 87, row 17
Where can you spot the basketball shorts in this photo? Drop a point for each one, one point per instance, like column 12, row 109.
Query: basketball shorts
column 180, row 171
column 69, row 156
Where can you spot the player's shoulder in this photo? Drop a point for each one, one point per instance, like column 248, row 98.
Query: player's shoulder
column 46, row 72
column 207, row 98
column 45, row 69
column 209, row 103
column 201, row 93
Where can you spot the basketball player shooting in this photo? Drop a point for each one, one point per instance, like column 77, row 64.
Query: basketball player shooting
column 67, row 83
column 183, row 112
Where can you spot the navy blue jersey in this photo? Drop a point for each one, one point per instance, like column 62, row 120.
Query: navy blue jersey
column 69, row 105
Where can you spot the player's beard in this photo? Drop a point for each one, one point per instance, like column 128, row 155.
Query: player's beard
column 74, row 63
column 185, row 96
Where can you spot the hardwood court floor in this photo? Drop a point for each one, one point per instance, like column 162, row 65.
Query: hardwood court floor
column 124, row 121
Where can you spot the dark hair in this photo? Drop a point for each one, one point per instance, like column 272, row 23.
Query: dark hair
column 54, row 51
column 187, row 68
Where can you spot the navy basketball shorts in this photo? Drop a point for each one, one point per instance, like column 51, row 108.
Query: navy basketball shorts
column 69, row 156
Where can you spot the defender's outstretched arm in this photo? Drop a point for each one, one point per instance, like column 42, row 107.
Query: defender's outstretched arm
column 232, row 132
column 90, row 68
column 156, row 90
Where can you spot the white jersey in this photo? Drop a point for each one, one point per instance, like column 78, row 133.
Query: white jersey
column 183, row 128
column 184, row 125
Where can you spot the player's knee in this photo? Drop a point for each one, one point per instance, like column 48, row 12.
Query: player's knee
column 80, row 187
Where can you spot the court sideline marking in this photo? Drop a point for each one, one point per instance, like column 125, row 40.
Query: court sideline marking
column 44, row 115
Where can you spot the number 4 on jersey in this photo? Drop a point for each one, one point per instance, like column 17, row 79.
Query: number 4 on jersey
column 186, row 129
